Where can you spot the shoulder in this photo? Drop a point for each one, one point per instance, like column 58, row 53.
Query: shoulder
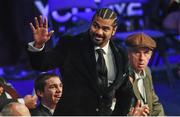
column 148, row 70
column 148, row 73
column 35, row 112
column 38, row 111
column 79, row 36
column 69, row 40
column 118, row 45
column 118, row 48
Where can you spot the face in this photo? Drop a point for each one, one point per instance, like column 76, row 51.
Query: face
column 102, row 30
column 139, row 58
column 52, row 91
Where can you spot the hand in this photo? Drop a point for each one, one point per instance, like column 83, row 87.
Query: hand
column 139, row 110
column 40, row 32
column 30, row 101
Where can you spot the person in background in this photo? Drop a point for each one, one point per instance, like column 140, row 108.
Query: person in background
column 140, row 48
column 15, row 109
column 48, row 88
column 171, row 21
column 9, row 94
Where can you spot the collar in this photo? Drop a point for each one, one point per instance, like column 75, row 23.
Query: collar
column 139, row 75
column 51, row 110
column 105, row 48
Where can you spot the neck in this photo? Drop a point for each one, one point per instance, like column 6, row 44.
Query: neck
column 137, row 71
column 49, row 105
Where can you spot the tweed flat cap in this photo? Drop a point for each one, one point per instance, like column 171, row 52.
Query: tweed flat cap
column 140, row 40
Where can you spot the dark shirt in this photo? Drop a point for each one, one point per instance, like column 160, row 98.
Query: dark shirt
column 40, row 111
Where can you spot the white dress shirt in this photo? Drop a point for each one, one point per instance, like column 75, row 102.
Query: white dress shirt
column 140, row 83
column 110, row 62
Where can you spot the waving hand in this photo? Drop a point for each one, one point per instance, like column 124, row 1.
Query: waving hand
column 40, row 31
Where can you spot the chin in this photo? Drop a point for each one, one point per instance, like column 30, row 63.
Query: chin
column 96, row 43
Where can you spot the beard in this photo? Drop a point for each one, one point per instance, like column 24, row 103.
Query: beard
column 96, row 39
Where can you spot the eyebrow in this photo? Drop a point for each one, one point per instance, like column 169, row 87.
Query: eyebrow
column 95, row 22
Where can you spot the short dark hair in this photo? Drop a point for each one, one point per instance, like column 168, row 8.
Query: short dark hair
column 40, row 81
column 107, row 13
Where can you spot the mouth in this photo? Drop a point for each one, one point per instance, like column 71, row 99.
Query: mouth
column 57, row 96
column 141, row 65
column 98, row 39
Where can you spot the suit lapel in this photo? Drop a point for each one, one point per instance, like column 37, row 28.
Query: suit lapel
column 45, row 110
column 90, row 63
column 147, row 89
column 119, row 64
column 136, row 90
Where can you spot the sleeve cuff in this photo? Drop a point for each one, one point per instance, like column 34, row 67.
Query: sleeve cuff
column 34, row 49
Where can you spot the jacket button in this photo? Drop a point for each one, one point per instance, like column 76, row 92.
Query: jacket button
column 97, row 109
column 101, row 96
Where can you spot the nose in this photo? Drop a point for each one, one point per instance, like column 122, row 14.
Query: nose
column 99, row 31
column 142, row 56
column 59, row 89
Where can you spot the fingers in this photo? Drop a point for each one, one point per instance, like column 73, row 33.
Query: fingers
column 144, row 114
column 45, row 24
column 36, row 23
column 32, row 27
column 138, row 104
column 146, row 109
column 40, row 21
column 50, row 33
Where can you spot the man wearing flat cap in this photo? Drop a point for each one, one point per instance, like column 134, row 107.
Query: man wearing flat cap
column 140, row 48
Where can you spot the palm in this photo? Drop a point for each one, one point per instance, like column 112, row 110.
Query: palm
column 41, row 35
column 40, row 31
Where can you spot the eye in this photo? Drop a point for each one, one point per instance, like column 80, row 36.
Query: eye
column 60, row 85
column 95, row 25
column 52, row 86
column 106, row 29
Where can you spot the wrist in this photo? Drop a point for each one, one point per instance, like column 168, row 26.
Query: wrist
column 37, row 45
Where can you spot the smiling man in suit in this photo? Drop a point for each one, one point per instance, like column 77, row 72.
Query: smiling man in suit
column 48, row 88
column 94, row 68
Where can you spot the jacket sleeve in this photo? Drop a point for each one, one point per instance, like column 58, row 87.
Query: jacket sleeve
column 124, row 97
column 51, row 58
column 157, row 108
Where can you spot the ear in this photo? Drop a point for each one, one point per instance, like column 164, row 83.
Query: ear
column 39, row 93
column 114, row 31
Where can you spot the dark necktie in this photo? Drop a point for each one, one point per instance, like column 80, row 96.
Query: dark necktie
column 102, row 69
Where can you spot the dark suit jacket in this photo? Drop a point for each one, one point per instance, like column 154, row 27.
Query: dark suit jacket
column 81, row 93
column 40, row 111
column 156, row 108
